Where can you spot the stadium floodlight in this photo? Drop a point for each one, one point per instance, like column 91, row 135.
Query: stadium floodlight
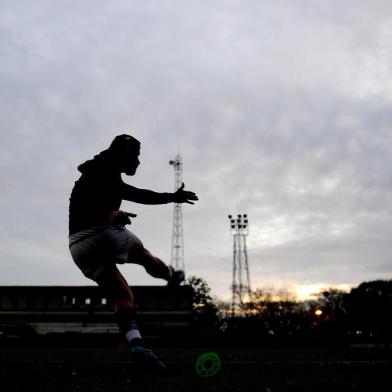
column 241, row 279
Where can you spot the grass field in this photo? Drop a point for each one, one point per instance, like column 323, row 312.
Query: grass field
column 266, row 370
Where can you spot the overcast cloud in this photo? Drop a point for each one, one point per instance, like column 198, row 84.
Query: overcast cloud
column 280, row 109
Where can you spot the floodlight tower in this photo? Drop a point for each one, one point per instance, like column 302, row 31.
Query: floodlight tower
column 177, row 251
column 241, row 280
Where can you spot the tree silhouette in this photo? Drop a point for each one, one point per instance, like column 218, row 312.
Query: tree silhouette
column 205, row 310
column 369, row 308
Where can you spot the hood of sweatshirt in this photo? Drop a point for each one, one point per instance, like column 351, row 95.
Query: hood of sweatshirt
column 103, row 162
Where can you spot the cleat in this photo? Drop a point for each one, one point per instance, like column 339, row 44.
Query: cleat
column 145, row 356
column 178, row 276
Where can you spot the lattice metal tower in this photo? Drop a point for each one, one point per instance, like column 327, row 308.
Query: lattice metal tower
column 241, row 280
column 177, row 251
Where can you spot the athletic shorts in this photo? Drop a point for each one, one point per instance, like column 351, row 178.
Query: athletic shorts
column 93, row 250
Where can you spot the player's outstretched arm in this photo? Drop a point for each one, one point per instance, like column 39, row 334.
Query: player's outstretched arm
column 145, row 196
column 181, row 196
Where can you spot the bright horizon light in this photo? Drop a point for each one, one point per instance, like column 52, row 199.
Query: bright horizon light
column 309, row 291
column 301, row 292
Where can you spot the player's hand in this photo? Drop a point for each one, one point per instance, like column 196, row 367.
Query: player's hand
column 120, row 218
column 181, row 196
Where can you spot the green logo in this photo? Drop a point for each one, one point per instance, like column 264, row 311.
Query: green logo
column 208, row 364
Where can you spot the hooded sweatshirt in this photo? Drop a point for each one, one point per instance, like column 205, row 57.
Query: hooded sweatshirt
column 100, row 191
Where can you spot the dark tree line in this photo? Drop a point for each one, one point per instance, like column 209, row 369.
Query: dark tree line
column 362, row 315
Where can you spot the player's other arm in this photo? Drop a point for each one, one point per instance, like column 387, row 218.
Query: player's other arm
column 146, row 196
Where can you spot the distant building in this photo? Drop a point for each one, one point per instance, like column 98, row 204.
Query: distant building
column 84, row 309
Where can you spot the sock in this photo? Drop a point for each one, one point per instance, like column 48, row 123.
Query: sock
column 134, row 338
column 126, row 320
column 170, row 272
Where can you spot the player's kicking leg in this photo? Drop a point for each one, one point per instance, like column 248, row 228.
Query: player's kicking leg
column 154, row 266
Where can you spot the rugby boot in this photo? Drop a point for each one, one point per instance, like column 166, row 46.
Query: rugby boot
column 176, row 278
column 147, row 359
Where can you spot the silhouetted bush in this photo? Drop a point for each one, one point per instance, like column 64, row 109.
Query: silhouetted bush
column 205, row 309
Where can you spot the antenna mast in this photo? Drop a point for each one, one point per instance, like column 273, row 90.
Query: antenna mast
column 177, row 251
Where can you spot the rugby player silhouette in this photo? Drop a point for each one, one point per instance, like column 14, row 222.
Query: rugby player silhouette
column 98, row 239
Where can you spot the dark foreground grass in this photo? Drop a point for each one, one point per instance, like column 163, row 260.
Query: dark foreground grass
column 265, row 370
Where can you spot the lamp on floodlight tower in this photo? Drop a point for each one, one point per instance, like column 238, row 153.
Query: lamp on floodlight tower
column 241, row 281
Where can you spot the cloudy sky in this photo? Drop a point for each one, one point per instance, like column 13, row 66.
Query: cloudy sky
column 281, row 109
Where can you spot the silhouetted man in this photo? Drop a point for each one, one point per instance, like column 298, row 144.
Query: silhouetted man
column 98, row 239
